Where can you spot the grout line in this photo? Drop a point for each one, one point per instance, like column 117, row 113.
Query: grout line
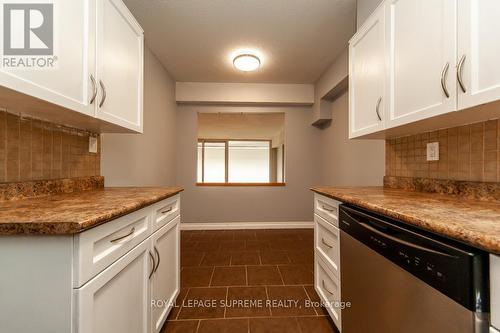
column 225, row 305
column 211, row 277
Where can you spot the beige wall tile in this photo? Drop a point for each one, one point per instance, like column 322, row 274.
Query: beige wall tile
column 470, row 152
column 32, row 150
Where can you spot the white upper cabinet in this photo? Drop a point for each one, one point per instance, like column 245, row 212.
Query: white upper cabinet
column 120, row 62
column 478, row 52
column 67, row 82
column 421, row 52
column 367, row 72
column 98, row 62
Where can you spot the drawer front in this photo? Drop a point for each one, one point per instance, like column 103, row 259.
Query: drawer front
column 327, row 243
column 495, row 290
column 165, row 211
column 328, row 288
column 327, row 208
column 98, row 248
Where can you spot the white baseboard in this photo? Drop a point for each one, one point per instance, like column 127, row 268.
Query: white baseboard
column 246, row 225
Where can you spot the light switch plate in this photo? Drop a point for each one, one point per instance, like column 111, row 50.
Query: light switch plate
column 433, row 151
column 92, row 144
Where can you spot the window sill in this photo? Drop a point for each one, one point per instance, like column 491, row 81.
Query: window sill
column 241, row 184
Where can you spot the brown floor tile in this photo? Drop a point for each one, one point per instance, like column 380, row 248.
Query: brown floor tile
column 178, row 304
column 191, row 258
column 232, row 245
column 274, row 257
column 185, row 326
column 263, row 275
column 257, row 245
column 293, row 296
column 286, row 244
column 244, row 235
column 203, row 303
column 216, row 259
column 313, row 296
column 208, row 245
column 223, row 326
column 229, row 276
column 274, row 325
column 188, row 245
column 245, row 258
column 296, row 274
column 196, row 276
column 301, row 257
column 316, row 325
column 247, row 302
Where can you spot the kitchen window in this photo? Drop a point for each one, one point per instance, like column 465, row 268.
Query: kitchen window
column 240, row 161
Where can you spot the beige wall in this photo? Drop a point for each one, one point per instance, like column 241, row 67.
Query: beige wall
column 347, row 162
column 145, row 159
column 251, row 204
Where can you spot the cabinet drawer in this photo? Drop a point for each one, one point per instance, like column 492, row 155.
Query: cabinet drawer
column 327, row 208
column 165, row 211
column 327, row 243
column 328, row 288
column 97, row 248
column 495, row 290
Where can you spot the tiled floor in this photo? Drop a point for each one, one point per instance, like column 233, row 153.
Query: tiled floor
column 247, row 281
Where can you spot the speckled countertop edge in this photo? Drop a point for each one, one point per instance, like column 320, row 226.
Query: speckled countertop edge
column 91, row 216
column 463, row 229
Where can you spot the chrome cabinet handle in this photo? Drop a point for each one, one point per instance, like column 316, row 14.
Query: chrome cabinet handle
column 167, row 210
column 459, row 73
column 158, row 255
column 324, row 287
column 331, row 210
column 103, row 88
column 153, row 262
column 325, row 243
column 94, row 89
column 122, row 238
column 443, row 79
column 377, row 109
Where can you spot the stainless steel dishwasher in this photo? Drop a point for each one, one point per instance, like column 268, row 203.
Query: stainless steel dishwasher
column 400, row 279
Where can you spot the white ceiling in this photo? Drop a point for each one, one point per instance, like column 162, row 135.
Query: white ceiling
column 297, row 39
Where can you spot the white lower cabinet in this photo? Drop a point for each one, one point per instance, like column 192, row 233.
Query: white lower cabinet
column 327, row 255
column 117, row 300
column 119, row 277
column 165, row 281
column 495, row 290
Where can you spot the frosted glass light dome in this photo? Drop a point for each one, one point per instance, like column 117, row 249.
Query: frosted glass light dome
column 246, row 62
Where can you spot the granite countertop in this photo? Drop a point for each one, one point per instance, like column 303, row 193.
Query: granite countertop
column 75, row 212
column 470, row 221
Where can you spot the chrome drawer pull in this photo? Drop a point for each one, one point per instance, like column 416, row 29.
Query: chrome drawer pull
column 325, row 243
column 377, row 109
column 153, row 263
column 167, row 210
column 443, row 80
column 94, row 89
column 331, row 210
column 324, row 287
column 121, row 238
column 103, row 88
column 158, row 255
column 459, row 73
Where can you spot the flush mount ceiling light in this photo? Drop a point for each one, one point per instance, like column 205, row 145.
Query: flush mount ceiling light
column 246, row 62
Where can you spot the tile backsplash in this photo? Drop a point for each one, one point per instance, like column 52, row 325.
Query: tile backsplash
column 32, row 149
column 469, row 153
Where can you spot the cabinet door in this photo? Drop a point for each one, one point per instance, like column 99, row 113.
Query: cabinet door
column 478, row 52
column 73, row 52
column 421, row 49
column 367, row 72
column 117, row 300
column 165, row 280
column 120, row 62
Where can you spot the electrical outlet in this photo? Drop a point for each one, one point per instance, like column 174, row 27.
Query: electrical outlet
column 92, row 144
column 433, row 151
